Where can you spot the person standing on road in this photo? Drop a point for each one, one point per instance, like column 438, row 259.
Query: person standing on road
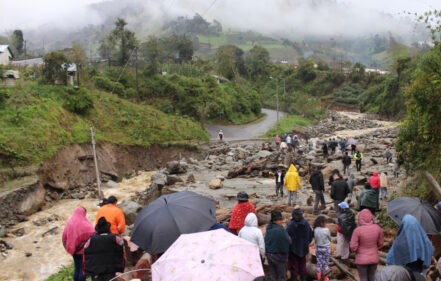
column 221, row 134
column 301, row 236
column 76, row 233
column 365, row 241
column 240, row 212
column 358, row 156
column 384, row 185
column 280, row 179
column 339, row 191
column 292, row 184
column 346, row 163
column 318, row 186
column 277, row 243
column 114, row 215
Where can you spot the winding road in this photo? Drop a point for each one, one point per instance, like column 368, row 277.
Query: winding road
column 246, row 131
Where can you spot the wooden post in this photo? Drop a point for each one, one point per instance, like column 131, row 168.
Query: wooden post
column 98, row 182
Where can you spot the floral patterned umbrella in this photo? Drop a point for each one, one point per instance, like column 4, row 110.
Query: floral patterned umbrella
column 211, row 255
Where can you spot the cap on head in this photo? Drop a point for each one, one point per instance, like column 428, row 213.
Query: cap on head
column 344, row 205
column 103, row 202
column 438, row 205
column 242, row 196
column 276, row 216
column 112, row 199
column 319, row 167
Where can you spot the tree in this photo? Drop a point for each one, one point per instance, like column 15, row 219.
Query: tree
column 177, row 48
column 120, row 42
column 322, row 65
column 55, row 67
column 151, row 52
column 17, row 40
column 357, row 72
column 401, row 64
column 257, row 63
column 306, row 71
column 230, row 61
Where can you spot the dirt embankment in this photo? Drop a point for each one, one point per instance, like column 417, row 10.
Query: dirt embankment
column 73, row 168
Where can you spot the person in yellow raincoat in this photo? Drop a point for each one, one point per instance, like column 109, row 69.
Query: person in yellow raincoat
column 292, row 183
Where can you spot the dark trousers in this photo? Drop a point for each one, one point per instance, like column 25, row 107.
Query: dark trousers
column 78, row 273
column 336, row 207
column 346, row 169
column 279, row 187
column 367, row 272
column 319, row 198
column 358, row 165
column 277, row 269
column 297, row 265
column 103, row 277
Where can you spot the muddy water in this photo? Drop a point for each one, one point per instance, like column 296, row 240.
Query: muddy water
column 48, row 254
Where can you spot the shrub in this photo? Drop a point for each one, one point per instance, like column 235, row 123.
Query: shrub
column 78, row 101
column 103, row 83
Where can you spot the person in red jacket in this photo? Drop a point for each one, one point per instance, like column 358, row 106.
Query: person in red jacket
column 240, row 212
column 375, row 182
column 365, row 241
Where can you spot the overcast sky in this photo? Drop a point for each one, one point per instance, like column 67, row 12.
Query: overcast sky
column 26, row 14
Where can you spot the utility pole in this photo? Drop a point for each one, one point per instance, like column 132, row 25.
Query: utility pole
column 78, row 75
column 136, row 74
column 25, row 51
column 98, row 182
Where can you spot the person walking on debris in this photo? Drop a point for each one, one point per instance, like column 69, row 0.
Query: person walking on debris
column 396, row 169
column 375, row 182
column 306, row 137
column 346, row 163
column 240, row 212
column 353, row 148
column 388, row 155
column 292, row 184
column 280, row 179
column 221, row 134
column 114, row 215
column 322, row 237
column 351, row 184
column 318, row 186
column 384, row 185
column 368, row 199
column 252, row 233
column 277, row 141
column 325, row 150
column 411, row 248
column 339, row 190
column 358, row 156
column 301, row 236
column 289, row 142
column 76, row 233
column 103, row 253
column 345, row 227
column 343, row 145
column 295, row 142
column 366, row 240
column 277, row 243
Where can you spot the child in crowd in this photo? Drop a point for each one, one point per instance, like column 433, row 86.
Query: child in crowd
column 322, row 237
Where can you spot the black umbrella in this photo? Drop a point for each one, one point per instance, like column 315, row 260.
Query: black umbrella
column 159, row 224
column 426, row 214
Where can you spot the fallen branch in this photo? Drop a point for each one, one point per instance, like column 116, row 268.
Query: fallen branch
column 433, row 184
column 343, row 268
column 51, row 231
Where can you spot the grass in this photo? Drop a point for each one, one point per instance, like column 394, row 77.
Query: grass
column 65, row 274
column 35, row 124
column 287, row 125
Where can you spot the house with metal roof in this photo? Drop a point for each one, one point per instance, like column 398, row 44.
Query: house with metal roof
column 6, row 54
column 28, row 62
column 10, row 77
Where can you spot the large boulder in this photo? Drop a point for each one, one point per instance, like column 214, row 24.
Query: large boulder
column 158, row 180
column 110, row 184
column 264, row 153
column 177, row 167
column 172, row 179
column 216, row 183
column 130, row 210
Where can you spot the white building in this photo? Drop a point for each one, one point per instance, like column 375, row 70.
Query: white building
column 5, row 54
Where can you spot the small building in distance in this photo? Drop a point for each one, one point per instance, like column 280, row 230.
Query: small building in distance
column 6, row 54
column 10, row 78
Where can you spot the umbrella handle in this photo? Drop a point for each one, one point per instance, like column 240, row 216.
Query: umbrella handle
column 131, row 271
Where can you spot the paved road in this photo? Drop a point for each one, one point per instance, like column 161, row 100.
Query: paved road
column 246, row 131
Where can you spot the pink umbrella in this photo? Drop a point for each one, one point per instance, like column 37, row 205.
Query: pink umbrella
column 211, row 255
column 352, row 141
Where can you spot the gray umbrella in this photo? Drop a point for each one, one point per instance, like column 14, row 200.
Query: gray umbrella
column 426, row 214
column 159, row 224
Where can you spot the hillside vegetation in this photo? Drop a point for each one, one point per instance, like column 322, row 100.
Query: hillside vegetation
column 38, row 120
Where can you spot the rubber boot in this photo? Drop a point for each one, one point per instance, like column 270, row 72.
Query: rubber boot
column 319, row 276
